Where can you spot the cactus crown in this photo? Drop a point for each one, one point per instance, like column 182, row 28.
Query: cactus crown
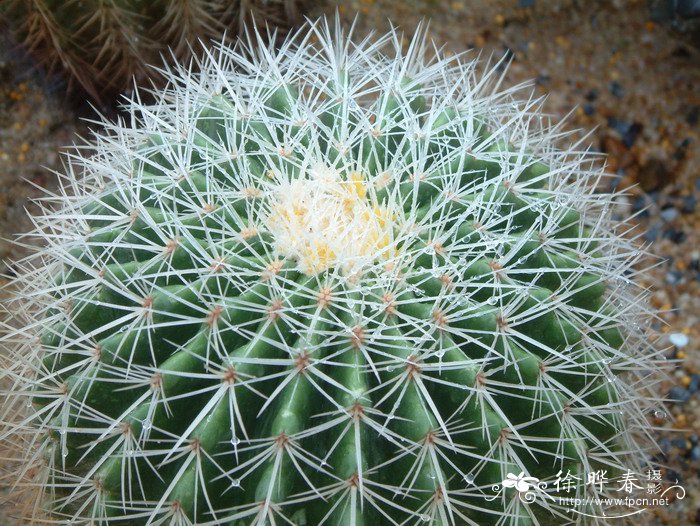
column 337, row 283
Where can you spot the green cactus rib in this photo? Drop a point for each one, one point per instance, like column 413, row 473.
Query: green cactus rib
column 322, row 290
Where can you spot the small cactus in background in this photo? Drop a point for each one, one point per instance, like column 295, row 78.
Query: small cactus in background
column 103, row 44
column 337, row 283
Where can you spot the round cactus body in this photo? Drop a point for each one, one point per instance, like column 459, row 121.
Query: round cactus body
column 338, row 283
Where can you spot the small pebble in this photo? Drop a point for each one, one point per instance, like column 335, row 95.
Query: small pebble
column 592, row 95
column 628, row 132
column 652, row 232
column 639, row 206
column 640, row 202
column 669, row 214
column 673, row 277
column 675, row 235
column 689, row 204
column 673, row 476
column 678, row 339
column 694, row 385
column 693, row 116
column 661, row 11
column 679, row 395
column 588, row 109
column 679, row 442
column 695, row 453
column 616, row 89
column 687, row 8
column 654, row 174
column 680, row 152
column 630, row 136
column 527, row 3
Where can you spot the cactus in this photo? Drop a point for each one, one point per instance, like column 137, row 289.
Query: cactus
column 338, row 283
column 103, row 44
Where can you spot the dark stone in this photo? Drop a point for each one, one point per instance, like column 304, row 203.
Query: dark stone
column 693, row 116
column 616, row 89
column 613, row 123
column 653, row 232
column 628, row 132
column 661, row 11
column 527, row 3
column 673, row 476
column 592, row 95
column 681, row 52
column 588, row 109
column 695, row 453
column 640, row 207
column 694, row 264
column 682, row 150
column 689, row 204
column 688, row 8
column 682, row 16
column 674, row 277
column 542, row 80
column 665, row 445
column 675, row 235
column 679, row 395
column 654, row 175
column 694, row 384
column 631, row 134
column 679, row 442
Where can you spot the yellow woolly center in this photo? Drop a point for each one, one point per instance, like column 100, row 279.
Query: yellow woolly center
column 325, row 219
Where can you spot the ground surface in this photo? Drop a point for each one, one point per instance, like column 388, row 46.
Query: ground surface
column 624, row 67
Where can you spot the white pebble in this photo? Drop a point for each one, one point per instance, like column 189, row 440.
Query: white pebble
column 678, row 339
